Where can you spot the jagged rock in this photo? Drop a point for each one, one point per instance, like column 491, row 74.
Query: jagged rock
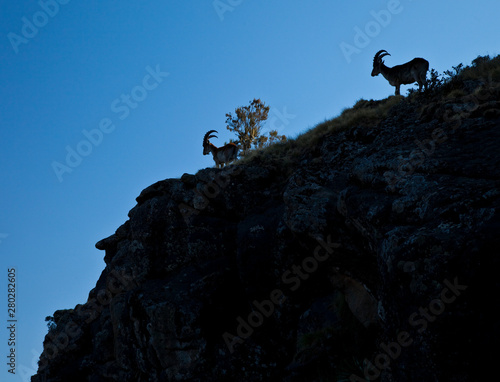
column 371, row 248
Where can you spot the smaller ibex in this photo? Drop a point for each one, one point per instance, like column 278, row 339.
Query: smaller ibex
column 413, row 71
column 222, row 155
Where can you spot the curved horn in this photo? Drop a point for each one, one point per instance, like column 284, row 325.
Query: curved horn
column 379, row 55
column 212, row 135
column 383, row 55
column 208, row 136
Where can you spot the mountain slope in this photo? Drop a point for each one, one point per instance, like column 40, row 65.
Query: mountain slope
column 360, row 250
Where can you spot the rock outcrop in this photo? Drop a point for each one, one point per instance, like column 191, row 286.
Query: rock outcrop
column 371, row 255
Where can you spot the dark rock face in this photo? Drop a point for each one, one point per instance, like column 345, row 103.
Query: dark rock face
column 371, row 259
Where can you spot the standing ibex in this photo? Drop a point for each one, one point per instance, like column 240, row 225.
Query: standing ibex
column 413, row 71
column 222, row 155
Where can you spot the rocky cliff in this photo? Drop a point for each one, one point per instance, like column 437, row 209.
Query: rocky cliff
column 365, row 249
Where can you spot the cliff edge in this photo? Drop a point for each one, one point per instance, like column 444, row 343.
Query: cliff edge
column 362, row 250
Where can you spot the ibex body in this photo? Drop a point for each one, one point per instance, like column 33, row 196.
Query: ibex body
column 222, row 155
column 413, row 71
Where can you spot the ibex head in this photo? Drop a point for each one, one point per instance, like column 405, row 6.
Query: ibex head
column 377, row 62
column 206, row 142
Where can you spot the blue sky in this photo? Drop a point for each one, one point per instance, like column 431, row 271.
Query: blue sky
column 100, row 99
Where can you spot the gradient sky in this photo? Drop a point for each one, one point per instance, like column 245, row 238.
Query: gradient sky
column 100, row 99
